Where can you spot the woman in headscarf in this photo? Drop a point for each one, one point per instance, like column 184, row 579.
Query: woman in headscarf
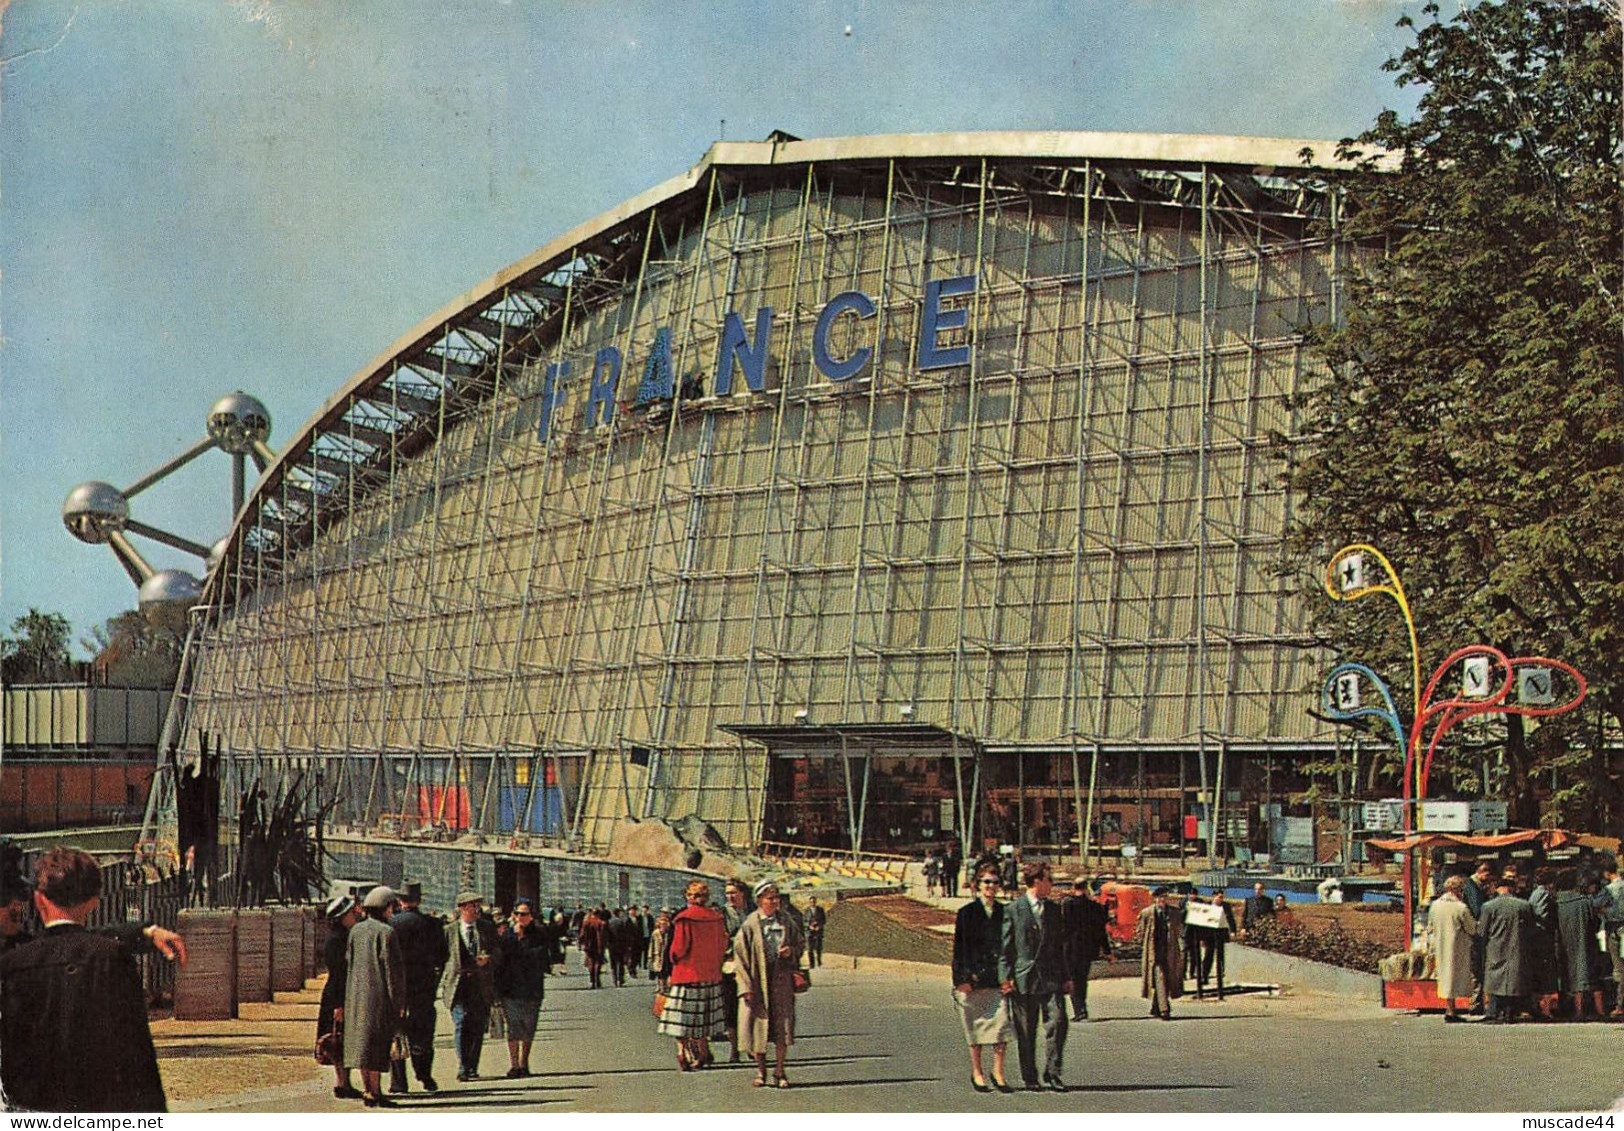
column 767, row 952
column 659, row 951
column 374, row 994
column 342, row 914
column 977, row 936
column 694, row 1007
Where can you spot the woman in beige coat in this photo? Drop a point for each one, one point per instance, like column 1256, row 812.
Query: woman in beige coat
column 766, row 954
column 1452, row 928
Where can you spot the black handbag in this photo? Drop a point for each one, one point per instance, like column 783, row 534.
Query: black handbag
column 330, row 1047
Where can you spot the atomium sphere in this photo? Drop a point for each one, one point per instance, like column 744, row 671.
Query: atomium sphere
column 94, row 510
column 217, row 553
column 169, row 586
column 237, row 421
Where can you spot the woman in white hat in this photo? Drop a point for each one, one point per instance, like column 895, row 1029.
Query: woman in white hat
column 767, row 953
column 342, row 913
column 374, row 995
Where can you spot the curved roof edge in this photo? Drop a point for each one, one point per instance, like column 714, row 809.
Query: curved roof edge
column 1258, row 155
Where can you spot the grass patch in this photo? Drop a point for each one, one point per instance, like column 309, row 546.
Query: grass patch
column 861, row 931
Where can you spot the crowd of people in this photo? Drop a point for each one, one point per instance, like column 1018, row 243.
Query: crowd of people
column 1508, row 943
column 728, row 974
column 1542, row 945
column 1019, row 963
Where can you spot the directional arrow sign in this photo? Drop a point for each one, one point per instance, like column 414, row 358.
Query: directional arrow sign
column 1536, row 687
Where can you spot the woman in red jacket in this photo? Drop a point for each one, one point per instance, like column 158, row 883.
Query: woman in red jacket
column 695, row 1010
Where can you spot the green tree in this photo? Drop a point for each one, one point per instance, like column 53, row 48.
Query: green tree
column 139, row 648
column 37, row 649
column 1472, row 422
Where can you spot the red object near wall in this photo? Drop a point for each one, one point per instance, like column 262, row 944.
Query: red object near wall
column 1123, row 903
column 1417, row 994
column 1192, row 828
column 441, row 803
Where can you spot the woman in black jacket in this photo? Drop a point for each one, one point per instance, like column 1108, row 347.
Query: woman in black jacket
column 521, row 981
column 977, row 937
column 342, row 914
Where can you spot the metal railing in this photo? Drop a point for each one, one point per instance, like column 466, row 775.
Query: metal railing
column 128, row 895
column 883, row 867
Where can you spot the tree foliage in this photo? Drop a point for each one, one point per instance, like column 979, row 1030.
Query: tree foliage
column 1472, row 423
column 139, row 648
column 36, row 651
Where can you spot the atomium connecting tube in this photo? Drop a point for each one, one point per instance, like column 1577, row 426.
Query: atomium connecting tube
column 99, row 513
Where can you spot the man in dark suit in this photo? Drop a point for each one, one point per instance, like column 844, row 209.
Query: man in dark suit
column 73, row 1018
column 1479, row 890
column 1085, row 918
column 424, row 952
column 1257, row 908
column 468, row 985
column 622, row 935
column 816, row 919
column 1033, row 967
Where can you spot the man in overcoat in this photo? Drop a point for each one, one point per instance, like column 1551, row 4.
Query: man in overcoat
column 468, row 985
column 73, row 1017
column 424, row 952
column 1454, row 931
column 1085, row 919
column 1161, row 955
column 1506, row 926
column 1035, row 974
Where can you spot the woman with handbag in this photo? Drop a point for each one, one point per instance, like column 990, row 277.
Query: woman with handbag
column 767, row 954
column 342, row 914
column 694, row 1010
column 374, row 995
column 977, row 938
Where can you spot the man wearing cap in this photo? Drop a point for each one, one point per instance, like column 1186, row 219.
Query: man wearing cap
column 468, row 987
column 424, row 951
column 1035, row 976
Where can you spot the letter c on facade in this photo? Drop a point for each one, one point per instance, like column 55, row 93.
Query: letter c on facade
column 853, row 365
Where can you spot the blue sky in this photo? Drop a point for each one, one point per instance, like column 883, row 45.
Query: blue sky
column 198, row 196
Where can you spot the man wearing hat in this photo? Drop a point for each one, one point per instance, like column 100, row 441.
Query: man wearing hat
column 1161, row 955
column 424, row 951
column 468, row 985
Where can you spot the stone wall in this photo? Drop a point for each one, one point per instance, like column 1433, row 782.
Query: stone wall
column 562, row 879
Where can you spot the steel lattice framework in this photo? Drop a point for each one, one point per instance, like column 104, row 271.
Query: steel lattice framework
column 1068, row 544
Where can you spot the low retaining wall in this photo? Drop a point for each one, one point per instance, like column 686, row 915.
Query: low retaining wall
column 1242, row 964
column 563, row 879
column 1300, row 975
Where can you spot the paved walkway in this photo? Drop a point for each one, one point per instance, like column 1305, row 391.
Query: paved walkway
column 885, row 1037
